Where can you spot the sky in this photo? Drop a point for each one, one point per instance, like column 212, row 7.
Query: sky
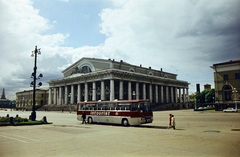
column 184, row 37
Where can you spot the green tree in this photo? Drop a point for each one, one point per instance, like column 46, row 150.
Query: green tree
column 197, row 96
column 205, row 96
column 210, row 95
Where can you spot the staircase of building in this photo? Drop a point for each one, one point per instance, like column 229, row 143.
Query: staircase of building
column 58, row 108
column 159, row 107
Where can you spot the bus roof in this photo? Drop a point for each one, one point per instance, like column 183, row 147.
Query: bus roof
column 107, row 101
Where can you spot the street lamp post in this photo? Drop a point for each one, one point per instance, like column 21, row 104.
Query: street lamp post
column 33, row 83
column 235, row 94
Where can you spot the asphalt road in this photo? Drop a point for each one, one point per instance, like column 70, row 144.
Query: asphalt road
column 202, row 133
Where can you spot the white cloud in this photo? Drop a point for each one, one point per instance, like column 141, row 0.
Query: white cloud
column 64, row 0
column 184, row 37
column 22, row 29
column 168, row 31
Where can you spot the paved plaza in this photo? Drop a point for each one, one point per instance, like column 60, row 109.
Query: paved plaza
column 202, row 133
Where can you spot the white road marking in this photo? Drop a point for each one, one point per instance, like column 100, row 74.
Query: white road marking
column 14, row 139
column 17, row 136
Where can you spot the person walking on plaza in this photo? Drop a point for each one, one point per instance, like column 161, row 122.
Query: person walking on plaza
column 84, row 118
column 170, row 118
column 173, row 122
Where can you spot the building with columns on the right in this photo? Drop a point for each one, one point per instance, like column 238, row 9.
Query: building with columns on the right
column 91, row 79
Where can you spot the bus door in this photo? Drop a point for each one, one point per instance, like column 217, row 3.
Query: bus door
column 145, row 110
column 135, row 110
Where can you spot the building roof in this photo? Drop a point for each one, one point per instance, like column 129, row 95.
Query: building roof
column 40, row 89
column 229, row 62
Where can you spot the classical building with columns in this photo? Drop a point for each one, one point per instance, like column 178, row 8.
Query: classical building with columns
column 91, row 79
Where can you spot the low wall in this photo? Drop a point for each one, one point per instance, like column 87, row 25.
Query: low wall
column 58, row 108
column 173, row 106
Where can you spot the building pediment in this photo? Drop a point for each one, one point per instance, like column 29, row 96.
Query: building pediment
column 87, row 65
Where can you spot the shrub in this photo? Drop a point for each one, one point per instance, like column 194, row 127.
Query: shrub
column 4, row 119
column 15, row 119
column 19, row 119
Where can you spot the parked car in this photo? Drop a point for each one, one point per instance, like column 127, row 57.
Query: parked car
column 230, row 110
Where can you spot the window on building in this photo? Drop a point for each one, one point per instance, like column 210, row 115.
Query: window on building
column 237, row 76
column 225, row 77
column 86, row 69
column 227, row 92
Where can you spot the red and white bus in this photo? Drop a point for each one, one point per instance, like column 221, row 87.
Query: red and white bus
column 125, row 112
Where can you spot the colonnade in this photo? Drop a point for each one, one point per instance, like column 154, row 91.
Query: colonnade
column 116, row 89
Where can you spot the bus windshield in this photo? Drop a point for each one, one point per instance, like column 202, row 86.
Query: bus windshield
column 145, row 107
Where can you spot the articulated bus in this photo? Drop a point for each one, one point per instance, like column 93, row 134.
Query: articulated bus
column 125, row 112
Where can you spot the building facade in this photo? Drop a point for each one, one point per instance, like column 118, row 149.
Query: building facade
column 91, row 79
column 24, row 99
column 227, row 83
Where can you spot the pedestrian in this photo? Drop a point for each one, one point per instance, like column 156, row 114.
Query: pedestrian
column 173, row 122
column 170, row 118
column 84, row 118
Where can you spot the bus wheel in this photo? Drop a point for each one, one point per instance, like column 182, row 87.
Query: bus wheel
column 90, row 121
column 125, row 122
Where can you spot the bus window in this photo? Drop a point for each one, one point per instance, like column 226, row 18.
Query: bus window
column 89, row 107
column 112, row 106
column 82, row 107
column 123, row 106
column 145, row 107
column 134, row 106
column 102, row 106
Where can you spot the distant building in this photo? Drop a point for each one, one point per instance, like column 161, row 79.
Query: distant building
column 207, row 86
column 226, row 78
column 24, row 99
column 3, row 97
column 91, row 79
column 4, row 102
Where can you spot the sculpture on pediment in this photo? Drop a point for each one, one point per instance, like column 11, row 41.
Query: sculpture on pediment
column 76, row 70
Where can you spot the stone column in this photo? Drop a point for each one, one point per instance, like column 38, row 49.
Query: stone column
column 167, row 95
column 129, row 90
column 144, row 91
column 86, row 91
column 180, row 95
column 161, row 94
column 94, row 91
column 150, row 92
column 72, row 94
column 176, row 95
column 66, row 95
column 60, row 95
column 137, row 91
column 55, row 96
column 156, row 93
column 187, row 95
column 79, row 93
column 112, row 94
column 184, row 96
column 121, row 90
column 50, row 96
column 102, row 90
column 172, row 98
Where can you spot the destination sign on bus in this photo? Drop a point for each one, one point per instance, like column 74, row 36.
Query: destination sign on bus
column 100, row 113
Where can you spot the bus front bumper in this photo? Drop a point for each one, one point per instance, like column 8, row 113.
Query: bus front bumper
column 146, row 120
